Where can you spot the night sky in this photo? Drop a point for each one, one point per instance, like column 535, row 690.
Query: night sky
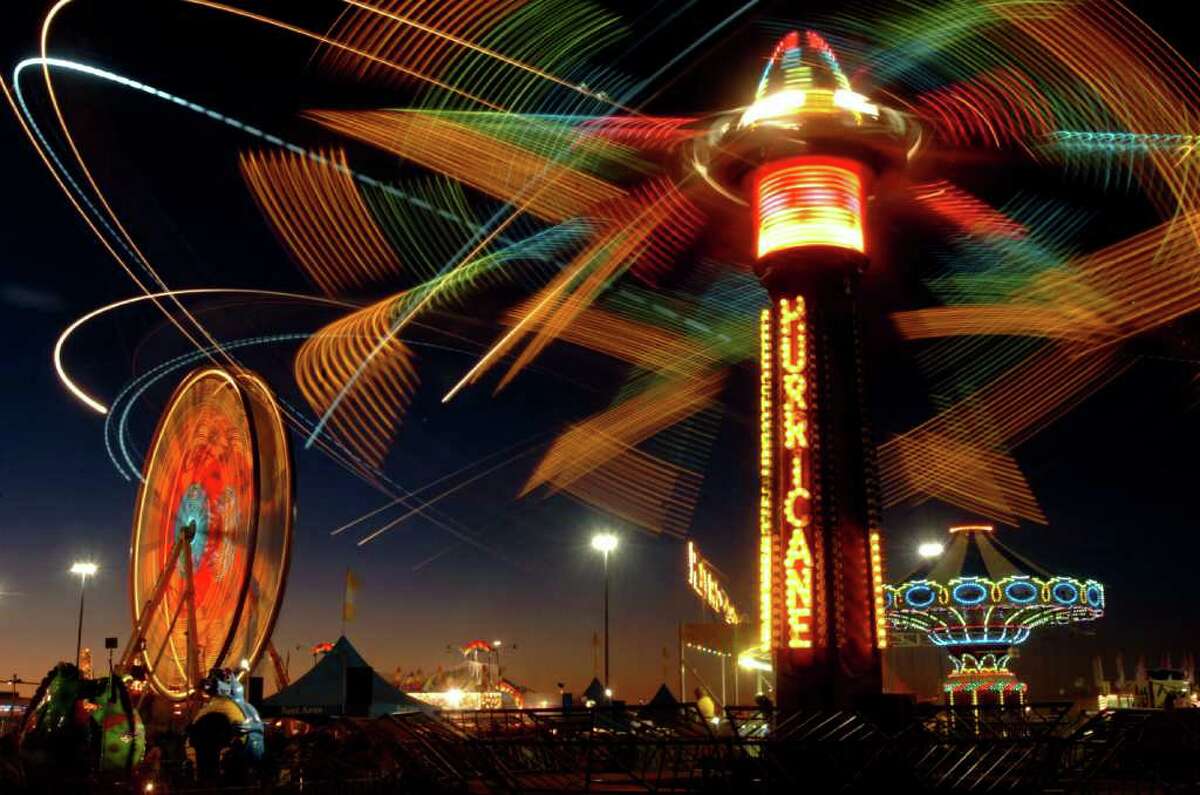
column 1116, row 477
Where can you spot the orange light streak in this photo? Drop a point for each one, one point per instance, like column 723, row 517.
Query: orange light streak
column 308, row 34
column 641, row 489
column 316, row 210
column 969, row 213
column 428, row 54
column 632, row 226
column 647, row 346
column 600, row 260
column 498, row 56
column 369, row 414
column 591, row 443
column 487, row 164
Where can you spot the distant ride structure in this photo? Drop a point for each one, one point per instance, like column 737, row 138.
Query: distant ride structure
column 212, row 532
column 977, row 600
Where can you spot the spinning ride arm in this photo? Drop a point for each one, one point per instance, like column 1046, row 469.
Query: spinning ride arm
column 137, row 638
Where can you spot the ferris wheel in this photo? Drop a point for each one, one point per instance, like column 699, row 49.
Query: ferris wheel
column 212, row 532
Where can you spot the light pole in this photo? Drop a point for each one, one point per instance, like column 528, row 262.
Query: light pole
column 605, row 543
column 84, row 569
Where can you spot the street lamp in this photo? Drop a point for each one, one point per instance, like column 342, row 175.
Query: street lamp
column 84, row 569
column 605, row 543
column 929, row 549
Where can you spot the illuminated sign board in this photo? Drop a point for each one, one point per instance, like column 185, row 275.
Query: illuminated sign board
column 704, row 582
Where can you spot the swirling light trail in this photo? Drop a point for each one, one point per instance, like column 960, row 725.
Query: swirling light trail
column 75, row 194
column 499, row 56
column 99, row 407
column 541, row 186
column 308, row 34
column 125, row 238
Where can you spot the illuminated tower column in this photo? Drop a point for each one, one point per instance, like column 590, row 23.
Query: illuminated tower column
column 800, row 157
column 821, row 601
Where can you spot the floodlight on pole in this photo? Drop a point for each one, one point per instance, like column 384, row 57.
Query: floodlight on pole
column 605, row 543
column 84, row 569
column 930, row 549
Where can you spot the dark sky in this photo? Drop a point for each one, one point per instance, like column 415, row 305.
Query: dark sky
column 1116, row 477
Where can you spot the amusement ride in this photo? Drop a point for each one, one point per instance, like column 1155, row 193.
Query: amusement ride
column 683, row 248
column 977, row 600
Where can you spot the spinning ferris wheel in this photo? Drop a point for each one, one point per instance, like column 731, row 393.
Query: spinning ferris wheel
column 212, row 532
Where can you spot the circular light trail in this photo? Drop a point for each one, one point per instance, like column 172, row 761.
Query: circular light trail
column 95, row 404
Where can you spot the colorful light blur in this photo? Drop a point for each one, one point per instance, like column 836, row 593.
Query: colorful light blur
column 808, row 201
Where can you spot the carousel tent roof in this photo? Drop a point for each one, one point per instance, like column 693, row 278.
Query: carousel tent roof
column 329, row 689
column 973, row 551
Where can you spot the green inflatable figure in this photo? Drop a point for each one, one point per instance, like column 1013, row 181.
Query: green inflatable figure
column 78, row 725
column 54, row 735
column 122, row 733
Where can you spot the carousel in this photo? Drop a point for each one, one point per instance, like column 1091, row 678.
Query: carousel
column 978, row 599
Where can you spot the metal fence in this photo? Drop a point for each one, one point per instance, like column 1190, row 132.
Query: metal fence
column 1031, row 748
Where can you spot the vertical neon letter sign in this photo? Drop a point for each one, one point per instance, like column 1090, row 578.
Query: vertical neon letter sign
column 798, row 559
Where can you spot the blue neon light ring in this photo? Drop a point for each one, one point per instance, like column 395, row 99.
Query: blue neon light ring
column 1056, row 592
column 908, row 596
column 958, row 596
column 1011, row 593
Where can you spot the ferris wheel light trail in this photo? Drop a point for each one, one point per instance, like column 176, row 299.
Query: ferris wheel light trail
column 101, row 408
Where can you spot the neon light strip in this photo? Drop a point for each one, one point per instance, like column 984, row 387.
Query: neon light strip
column 877, row 588
column 766, row 563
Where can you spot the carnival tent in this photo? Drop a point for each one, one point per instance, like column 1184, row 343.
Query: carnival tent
column 595, row 692
column 341, row 683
